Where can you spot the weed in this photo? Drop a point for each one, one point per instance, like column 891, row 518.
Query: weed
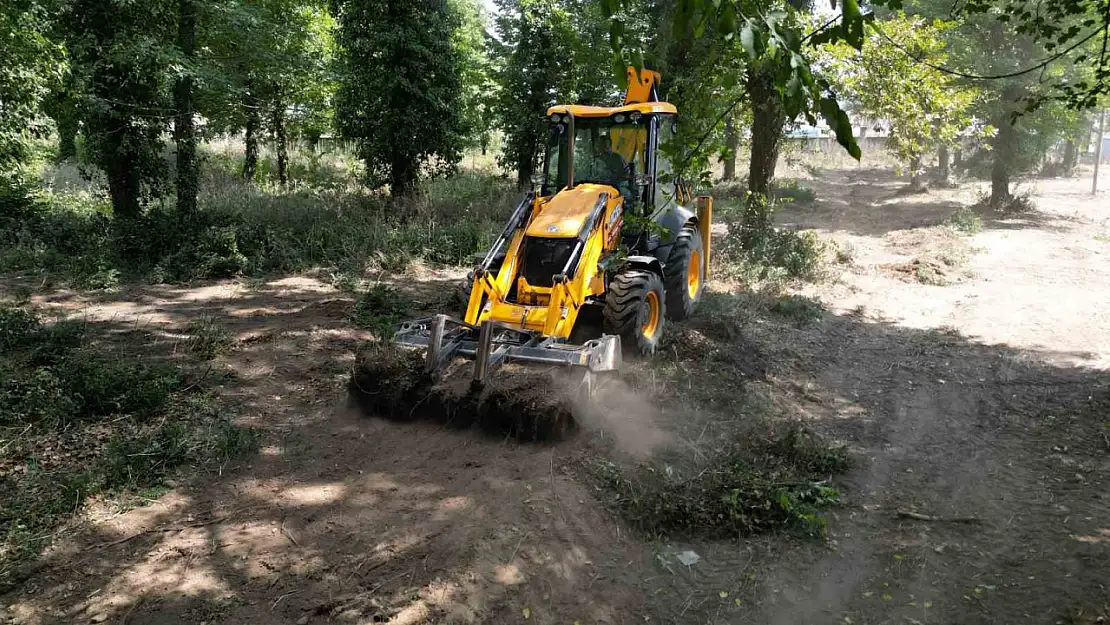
column 17, row 326
column 767, row 482
column 966, row 220
column 793, row 191
column 130, row 462
column 798, row 308
column 379, row 309
column 228, row 442
column 207, row 339
column 776, row 254
column 253, row 229
column 928, row 273
column 845, row 253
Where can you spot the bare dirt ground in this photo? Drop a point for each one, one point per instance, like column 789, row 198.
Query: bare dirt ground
column 986, row 399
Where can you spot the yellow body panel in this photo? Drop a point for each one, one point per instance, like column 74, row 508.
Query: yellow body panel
column 606, row 111
column 551, row 311
column 640, row 84
column 564, row 214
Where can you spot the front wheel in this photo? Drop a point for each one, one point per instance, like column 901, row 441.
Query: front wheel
column 685, row 273
column 634, row 310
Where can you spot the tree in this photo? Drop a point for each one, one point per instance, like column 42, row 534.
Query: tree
column 184, row 123
column 31, row 65
column 537, row 47
column 400, row 97
column 887, row 79
column 270, row 68
column 479, row 85
column 1012, row 64
column 121, row 55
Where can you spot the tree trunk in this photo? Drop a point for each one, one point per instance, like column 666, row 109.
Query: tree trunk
column 67, row 138
column 944, row 164
column 250, row 145
column 768, row 119
column 281, row 141
column 958, row 159
column 1000, row 170
column 184, row 129
column 732, row 145
column 917, row 181
column 1071, row 158
column 123, row 186
column 402, row 179
column 1002, row 151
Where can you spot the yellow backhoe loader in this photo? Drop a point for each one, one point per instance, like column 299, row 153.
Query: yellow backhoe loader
column 607, row 234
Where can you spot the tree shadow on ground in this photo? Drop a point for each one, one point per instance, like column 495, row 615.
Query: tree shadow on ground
column 352, row 519
column 942, row 425
column 873, row 202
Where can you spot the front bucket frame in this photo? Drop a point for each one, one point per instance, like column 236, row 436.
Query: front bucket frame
column 492, row 344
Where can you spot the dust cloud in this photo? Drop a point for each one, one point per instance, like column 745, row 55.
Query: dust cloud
column 626, row 416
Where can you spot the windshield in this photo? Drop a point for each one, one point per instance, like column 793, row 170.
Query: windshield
column 607, row 150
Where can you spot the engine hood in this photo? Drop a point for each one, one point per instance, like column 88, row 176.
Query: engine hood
column 563, row 214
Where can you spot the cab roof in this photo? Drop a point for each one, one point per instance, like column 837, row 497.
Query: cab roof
column 606, row 111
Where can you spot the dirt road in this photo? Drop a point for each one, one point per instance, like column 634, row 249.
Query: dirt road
column 983, row 405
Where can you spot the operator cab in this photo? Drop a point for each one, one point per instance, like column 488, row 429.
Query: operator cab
column 617, row 147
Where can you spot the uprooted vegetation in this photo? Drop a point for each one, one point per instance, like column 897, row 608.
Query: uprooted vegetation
column 82, row 418
column 736, row 463
column 522, row 403
column 762, row 477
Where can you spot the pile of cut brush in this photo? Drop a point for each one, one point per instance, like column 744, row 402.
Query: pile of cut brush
column 522, row 402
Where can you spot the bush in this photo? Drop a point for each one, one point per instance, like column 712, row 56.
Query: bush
column 798, row 308
column 17, row 326
column 253, row 229
column 379, row 310
column 966, row 220
column 758, row 251
column 207, row 339
column 790, row 190
column 774, row 482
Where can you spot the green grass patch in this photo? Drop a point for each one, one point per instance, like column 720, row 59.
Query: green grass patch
column 769, row 481
column 207, row 338
column 78, row 421
column 966, row 220
column 798, row 308
column 379, row 310
column 244, row 229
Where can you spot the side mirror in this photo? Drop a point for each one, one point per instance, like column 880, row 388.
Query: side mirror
column 538, row 179
column 643, row 180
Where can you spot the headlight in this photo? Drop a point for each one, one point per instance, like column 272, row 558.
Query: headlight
column 635, row 116
column 556, row 118
column 619, row 119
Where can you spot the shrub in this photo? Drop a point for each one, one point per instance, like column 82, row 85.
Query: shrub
column 773, row 482
column 207, row 339
column 252, row 229
column 17, row 326
column 966, row 220
column 379, row 310
column 798, row 308
column 790, row 190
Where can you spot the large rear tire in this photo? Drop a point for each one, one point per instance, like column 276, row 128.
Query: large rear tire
column 685, row 274
column 634, row 310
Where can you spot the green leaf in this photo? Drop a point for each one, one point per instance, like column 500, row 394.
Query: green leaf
column 853, row 24
column 616, row 33
column 839, row 122
column 726, row 24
